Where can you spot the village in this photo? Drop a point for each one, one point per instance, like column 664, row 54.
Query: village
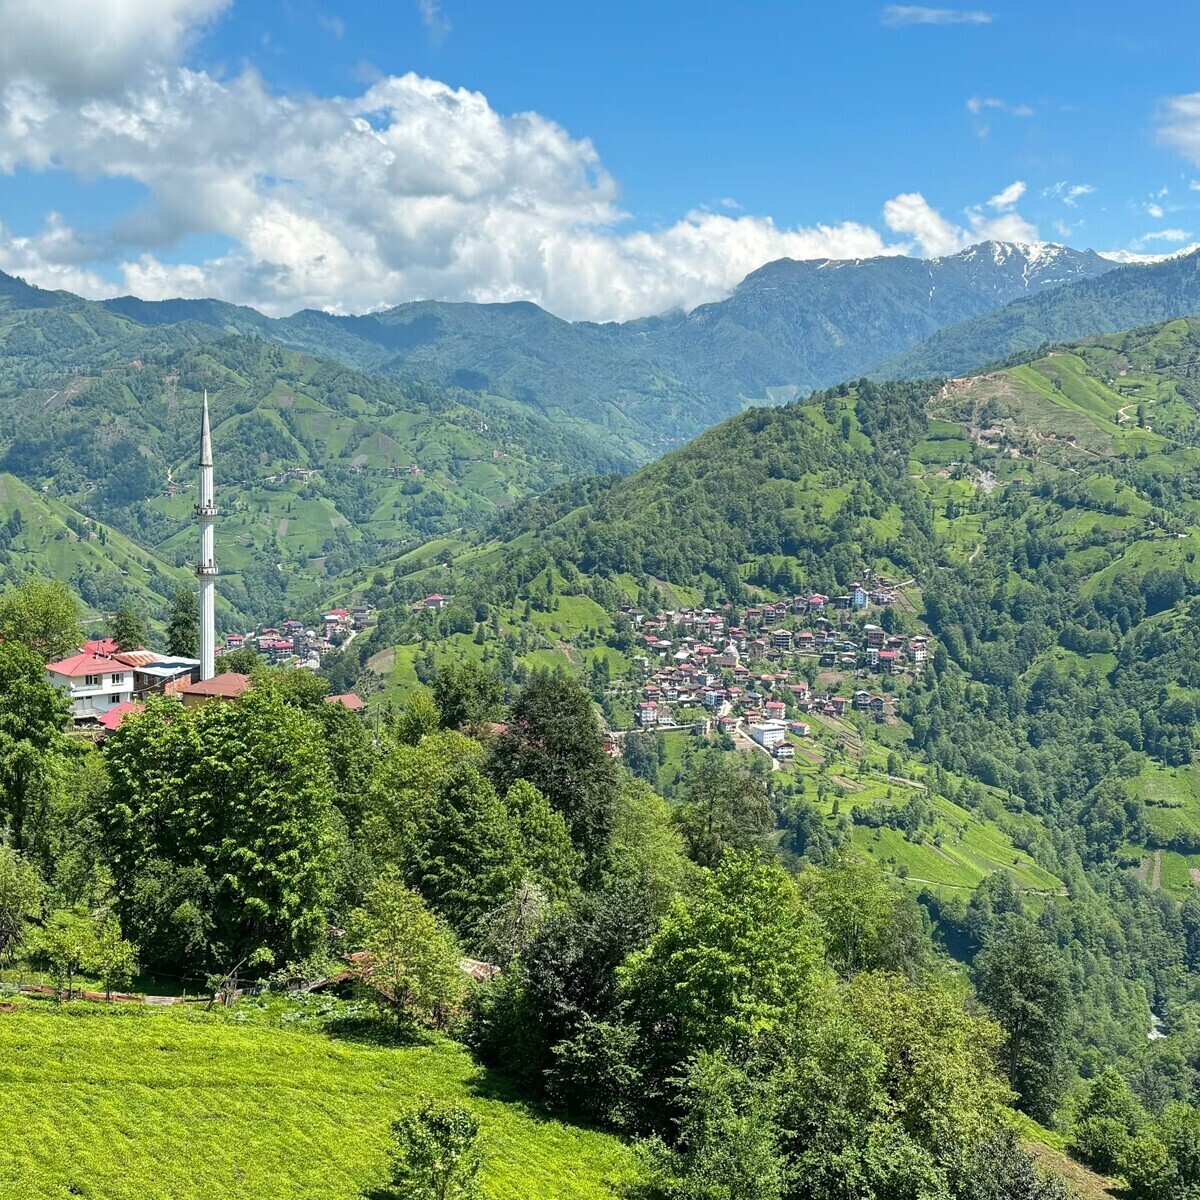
column 785, row 660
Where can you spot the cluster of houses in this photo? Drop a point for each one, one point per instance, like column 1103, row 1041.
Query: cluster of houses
column 704, row 663
column 294, row 644
column 105, row 684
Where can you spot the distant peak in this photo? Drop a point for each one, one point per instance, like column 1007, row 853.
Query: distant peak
column 1128, row 256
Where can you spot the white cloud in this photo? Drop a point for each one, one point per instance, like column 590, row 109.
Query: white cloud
column 410, row 189
column 1163, row 235
column 1007, row 198
column 1155, row 210
column 899, row 15
column 435, row 20
column 1068, row 193
column 935, row 236
column 1179, row 124
column 81, row 47
column 980, row 104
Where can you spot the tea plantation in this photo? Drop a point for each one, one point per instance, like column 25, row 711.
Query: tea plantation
column 144, row 1104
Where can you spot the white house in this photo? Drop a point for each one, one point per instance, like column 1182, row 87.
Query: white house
column 94, row 683
column 768, row 734
column 97, row 683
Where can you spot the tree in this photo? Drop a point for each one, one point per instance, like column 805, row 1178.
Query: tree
column 434, row 1152
column 128, row 630
column 218, row 821
column 33, row 717
column 1020, row 977
column 866, row 923
column 66, row 941
column 998, row 1169
column 887, row 1083
column 183, row 626
column 545, row 845
column 21, row 893
column 467, row 693
column 111, row 958
column 243, row 661
column 553, row 740
column 418, row 717
column 408, row 957
column 42, row 614
column 724, row 808
column 1107, row 1123
column 737, row 963
column 729, row 1144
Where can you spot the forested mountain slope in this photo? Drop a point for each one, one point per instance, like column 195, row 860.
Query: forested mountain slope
column 1042, row 521
column 1132, row 296
column 635, row 388
column 320, row 469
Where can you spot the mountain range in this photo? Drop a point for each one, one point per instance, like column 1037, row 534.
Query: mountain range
column 641, row 385
column 490, row 402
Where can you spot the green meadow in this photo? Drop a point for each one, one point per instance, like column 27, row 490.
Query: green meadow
column 167, row 1104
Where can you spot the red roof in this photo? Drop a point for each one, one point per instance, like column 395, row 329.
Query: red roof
column 113, row 718
column 229, row 684
column 338, row 612
column 82, row 664
column 349, row 699
column 100, row 646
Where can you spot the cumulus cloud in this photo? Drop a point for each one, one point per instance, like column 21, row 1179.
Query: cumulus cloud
column 1178, row 124
column 1068, row 193
column 409, row 189
column 912, row 214
column 80, row 47
column 899, row 15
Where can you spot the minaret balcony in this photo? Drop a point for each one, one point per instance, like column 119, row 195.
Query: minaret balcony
column 207, row 570
column 207, row 510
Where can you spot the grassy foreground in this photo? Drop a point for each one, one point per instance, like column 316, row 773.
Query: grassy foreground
column 143, row 1104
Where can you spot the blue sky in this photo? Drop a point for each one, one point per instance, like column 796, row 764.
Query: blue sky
column 605, row 160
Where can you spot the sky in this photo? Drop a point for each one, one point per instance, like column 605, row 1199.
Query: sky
column 605, row 160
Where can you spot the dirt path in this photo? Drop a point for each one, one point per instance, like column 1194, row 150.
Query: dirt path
column 1156, row 876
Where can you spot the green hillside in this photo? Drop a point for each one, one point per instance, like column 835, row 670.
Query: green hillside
column 1043, row 523
column 134, row 1104
column 321, row 470
column 42, row 535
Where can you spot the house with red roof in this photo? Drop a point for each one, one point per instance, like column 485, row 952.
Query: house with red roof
column 112, row 719
column 230, row 686
column 94, row 683
column 347, row 700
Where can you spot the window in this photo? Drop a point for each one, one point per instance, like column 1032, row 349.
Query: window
column 115, row 699
column 91, row 681
column 118, row 680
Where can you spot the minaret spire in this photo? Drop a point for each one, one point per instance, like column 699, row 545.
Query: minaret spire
column 206, row 569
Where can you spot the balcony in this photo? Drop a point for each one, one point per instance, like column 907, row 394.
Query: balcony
column 207, row 570
column 207, row 510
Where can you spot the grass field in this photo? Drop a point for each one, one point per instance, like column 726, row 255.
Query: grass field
column 145, row 1104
